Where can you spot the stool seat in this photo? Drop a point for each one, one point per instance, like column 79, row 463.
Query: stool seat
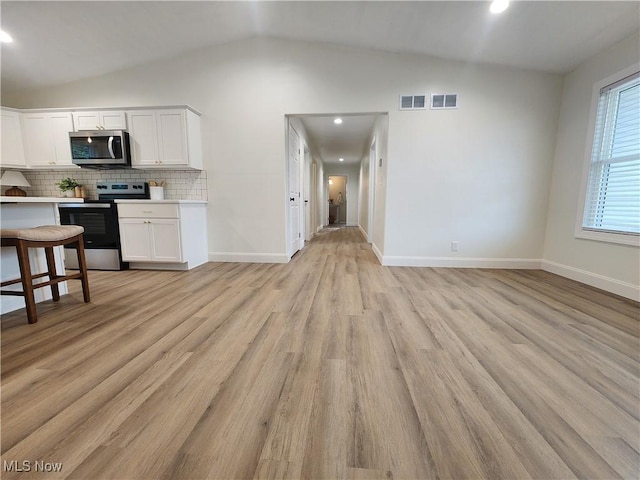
column 47, row 237
column 44, row 233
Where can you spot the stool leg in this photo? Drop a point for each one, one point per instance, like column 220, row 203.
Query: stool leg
column 27, row 281
column 51, row 266
column 82, row 264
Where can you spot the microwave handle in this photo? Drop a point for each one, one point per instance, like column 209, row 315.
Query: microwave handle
column 110, row 145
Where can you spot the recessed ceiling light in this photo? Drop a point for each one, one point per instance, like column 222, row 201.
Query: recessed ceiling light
column 337, row 121
column 341, row 159
column 499, row 6
column 5, row 37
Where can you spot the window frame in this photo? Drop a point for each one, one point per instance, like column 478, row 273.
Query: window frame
column 580, row 231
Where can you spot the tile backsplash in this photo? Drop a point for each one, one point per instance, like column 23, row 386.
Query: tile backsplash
column 179, row 185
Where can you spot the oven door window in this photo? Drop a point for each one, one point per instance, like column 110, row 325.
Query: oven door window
column 100, row 225
column 96, row 147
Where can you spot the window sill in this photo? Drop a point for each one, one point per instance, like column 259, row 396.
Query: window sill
column 619, row 238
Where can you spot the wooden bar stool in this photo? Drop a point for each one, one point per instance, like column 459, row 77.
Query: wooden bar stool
column 46, row 237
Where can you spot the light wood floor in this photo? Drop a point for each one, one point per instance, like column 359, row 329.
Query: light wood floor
column 328, row 367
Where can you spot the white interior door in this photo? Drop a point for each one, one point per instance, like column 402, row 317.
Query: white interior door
column 295, row 234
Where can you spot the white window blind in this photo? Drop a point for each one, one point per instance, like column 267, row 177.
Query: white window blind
column 612, row 203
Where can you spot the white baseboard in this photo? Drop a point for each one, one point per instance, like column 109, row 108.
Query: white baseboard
column 624, row 289
column 248, row 257
column 377, row 252
column 159, row 266
column 460, row 262
column 364, row 233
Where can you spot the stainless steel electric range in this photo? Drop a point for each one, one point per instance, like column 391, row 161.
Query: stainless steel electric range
column 100, row 221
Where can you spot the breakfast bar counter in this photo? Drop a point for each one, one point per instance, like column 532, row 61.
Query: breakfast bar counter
column 48, row 200
column 28, row 212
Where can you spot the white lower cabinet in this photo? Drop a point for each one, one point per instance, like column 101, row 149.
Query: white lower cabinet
column 153, row 240
column 169, row 235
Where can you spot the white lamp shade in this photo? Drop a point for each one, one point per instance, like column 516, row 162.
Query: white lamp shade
column 12, row 178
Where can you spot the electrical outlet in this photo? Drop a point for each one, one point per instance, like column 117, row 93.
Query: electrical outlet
column 454, row 246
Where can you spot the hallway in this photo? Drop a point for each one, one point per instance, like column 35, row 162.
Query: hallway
column 330, row 366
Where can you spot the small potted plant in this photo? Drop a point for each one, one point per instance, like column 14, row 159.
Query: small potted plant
column 68, row 187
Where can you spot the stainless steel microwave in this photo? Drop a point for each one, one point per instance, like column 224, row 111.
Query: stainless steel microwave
column 100, row 148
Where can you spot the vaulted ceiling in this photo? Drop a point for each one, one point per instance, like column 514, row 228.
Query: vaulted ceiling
column 58, row 42
column 53, row 40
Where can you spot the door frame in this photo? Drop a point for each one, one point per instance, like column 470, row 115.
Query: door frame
column 307, row 198
column 346, row 194
column 373, row 156
column 313, row 194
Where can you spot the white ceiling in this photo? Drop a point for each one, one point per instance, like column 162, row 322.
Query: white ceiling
column 349, row 140
column 54, row 40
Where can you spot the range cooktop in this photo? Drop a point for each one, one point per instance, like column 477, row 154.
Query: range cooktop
column 120, row 190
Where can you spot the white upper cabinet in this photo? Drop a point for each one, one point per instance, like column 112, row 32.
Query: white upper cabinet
column 46, row 139
column 12, row 147
column 143, row 135
column 172, row 137
column 99, row 120
column 61, row 124
column 162, row 137
column 165, row 138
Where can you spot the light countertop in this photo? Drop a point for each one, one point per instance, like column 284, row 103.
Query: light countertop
column 199, row 202
column 5, row 199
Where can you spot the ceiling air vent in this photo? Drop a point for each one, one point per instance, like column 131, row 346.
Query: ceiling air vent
column 413, row 102
column 440, row 101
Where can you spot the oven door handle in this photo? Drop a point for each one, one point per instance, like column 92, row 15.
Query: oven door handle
column 110, row 145
column 71, row 206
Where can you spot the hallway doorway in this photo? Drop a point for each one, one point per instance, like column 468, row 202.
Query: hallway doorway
column 347, row 148
column 337, row 197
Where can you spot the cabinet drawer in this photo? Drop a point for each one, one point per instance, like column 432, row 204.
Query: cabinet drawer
column 147, row 210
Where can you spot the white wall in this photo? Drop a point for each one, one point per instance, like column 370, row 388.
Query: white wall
column 606, row 265
column 478, row 174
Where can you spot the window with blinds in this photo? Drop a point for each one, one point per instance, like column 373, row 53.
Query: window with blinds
column 612, row 202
